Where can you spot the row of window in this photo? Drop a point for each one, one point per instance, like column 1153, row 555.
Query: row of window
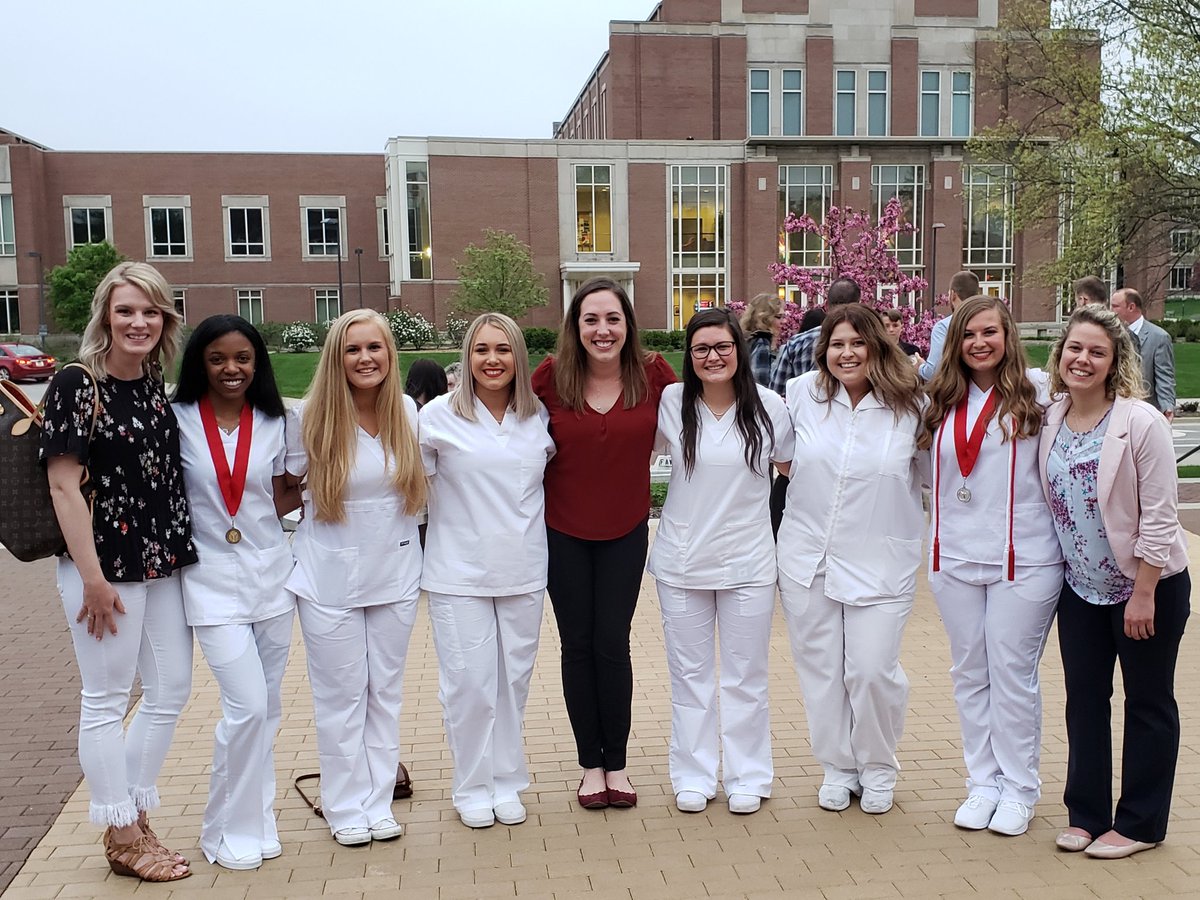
column 588, row 121
column 327, row 304
column 862, row 103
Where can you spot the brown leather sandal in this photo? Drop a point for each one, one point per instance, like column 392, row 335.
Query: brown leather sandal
column 143, row 858
column 180, row 859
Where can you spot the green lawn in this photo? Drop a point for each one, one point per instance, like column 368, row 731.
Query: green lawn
column 1187, row 365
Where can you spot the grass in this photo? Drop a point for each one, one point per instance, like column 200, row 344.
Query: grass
column 1189, row 471
column 1187, row 366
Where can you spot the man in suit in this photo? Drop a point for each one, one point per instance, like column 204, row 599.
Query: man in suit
column 1154, row 345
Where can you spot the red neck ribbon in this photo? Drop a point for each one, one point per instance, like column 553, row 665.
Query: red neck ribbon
column 232, row 484
column 966, row 450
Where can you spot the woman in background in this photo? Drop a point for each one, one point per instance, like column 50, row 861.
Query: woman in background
column 760, row 323
column 426, row 380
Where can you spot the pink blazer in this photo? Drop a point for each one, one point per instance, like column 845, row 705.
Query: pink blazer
column 1138, row 485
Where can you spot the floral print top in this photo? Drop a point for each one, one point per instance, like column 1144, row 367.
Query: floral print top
column 1073, row 471
column 140, row 516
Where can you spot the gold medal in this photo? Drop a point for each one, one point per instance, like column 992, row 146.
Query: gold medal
column 233, row 536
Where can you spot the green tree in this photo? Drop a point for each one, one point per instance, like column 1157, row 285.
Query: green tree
column 72, row 285
column 499, row 277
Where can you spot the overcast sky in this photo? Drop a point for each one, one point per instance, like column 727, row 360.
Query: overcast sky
column 341, row 75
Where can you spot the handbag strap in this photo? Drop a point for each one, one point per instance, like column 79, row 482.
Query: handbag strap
column 87, row 475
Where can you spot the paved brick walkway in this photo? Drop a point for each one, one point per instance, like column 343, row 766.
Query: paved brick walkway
column 789, row 849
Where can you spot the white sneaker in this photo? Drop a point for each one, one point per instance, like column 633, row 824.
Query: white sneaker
column 352, row 837
column 386, row 830
column 834, row 797
column 478, row 818
column 690, row 801
column 975, row 813
column 510, row 813
column 271, row 849
column 744, row 804
column 1011, row 818
column 875, row 803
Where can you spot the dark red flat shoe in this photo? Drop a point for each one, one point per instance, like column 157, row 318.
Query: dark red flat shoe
column 598, row 800
column 622, row 799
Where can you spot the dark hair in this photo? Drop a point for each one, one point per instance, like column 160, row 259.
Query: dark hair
column 571, row 360
column 891, row 314
column 426, row 380
column 1092, row 288
column 811, row 319
column 263, row 392
column 751, row 416
column 965, row 284
column 843, row 290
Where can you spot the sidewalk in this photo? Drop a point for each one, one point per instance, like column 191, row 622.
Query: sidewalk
column 789, row 849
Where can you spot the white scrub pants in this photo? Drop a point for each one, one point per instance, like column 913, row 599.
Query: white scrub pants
column 355, row 665
column 855, row 691
column 248, row 661
column 486, row 648
column 154, row 641
column 691, row 619
column 997, row 633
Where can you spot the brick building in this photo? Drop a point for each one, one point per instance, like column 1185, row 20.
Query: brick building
column 672, row 171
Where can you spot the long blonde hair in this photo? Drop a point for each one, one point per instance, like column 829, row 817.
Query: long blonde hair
column 522, row 400
column 1125, row 377
column 97, row 335
column 330, row 423
column 1016, row 395
column 571, row 360
column 890, row 374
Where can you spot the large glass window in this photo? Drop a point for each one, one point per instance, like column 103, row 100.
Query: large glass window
column 760, row 101
column 88, row 225
column 877, row 103
column 987, row 225
column 8, row 240
column 1185, row 243
column 324, row 227
column 10, row 312
column 328, row 304
column 931, row 104
column 250, row 305
column 168, row 234
column 804, row 190
column 593, row 209
column 247, row 234
column 793, row 101
column 420, row 245
column 844, row 109
column 960, row 104
column 698, row 240
column 908, row 184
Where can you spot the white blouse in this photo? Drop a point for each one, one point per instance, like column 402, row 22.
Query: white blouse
column 243, row 582
column 715, row 530
column 487, row 529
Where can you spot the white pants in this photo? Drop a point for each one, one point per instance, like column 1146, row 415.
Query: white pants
column 997, row 633
column 355, row 666
column 248, row 661
column 154, row 641
column 855, row 692
column 486, row 648
column 691, row 619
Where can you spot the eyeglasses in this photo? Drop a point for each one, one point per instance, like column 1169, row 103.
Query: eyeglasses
column 701, row 351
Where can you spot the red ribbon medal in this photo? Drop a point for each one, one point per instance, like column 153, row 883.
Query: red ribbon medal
column 966, row 450
column 232, row 484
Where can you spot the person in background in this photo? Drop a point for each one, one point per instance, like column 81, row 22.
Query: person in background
column 1108, row 468
column 426, row 380
column 714, row 565
column 760, row 323
column 453, row 373
column 1090, row 289
column 602, row 393
column 893, row 324
column 963, row 285
column 1154, row 347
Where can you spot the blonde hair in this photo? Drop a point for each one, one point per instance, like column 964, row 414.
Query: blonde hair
column 1125, row 376
column 521, row 399
column 760, row 313
column 1015, row 394
column 571, row 360
column 330, row 423
column 892, row 377
column 97, row 335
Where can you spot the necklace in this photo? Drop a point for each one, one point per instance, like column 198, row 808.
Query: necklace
column 718, row 413
column 1083, row 424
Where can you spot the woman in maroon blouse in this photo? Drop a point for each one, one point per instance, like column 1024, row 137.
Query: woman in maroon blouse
column 602, row 393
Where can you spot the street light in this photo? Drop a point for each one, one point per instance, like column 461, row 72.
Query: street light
column 337, row 226
column 936, row 227
column 358, row 253
column 42, row 329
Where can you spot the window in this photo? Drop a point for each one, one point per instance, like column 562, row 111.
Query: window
column 698, row 238
column 793, row 101
column 804, row 190
column 593, row 209
column 1181, row 278
column 179, row 295
column 1184, row 245
column 8, row 240
column 960, row 124
column 877, row 102
column 987, row 225
column 382, row 228
column 908, row 184
column 328, row 304
column 87, row 226
column 250, row 305
column 603, row 114
column 760, row 101
column 247, row 228
column 844, row 109
column 420, row 251
column 10, row 312
column 1184, row 241
column 931, row 100
column 168, row 227
column 324, row 231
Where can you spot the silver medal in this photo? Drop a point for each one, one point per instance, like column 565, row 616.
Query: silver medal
column 964, row 494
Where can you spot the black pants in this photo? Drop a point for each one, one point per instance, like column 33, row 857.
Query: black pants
column 593, row 586
column 778, row 501
column 1092, row 639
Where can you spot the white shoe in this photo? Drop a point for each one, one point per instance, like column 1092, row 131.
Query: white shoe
column 352, row 837
column 1011, row 818
column 834, row 797
column 690, row 801
column 511, row 813
column 272, row 849
column 386, row 830
column 744, row 804
column 226, row 859
column 875, row 803
column 975, row 813
column 483, row 817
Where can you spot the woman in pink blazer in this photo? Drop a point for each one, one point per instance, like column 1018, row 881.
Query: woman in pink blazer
column 1108, row 467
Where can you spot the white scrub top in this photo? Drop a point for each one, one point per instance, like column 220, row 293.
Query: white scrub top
column 487, row 507
column 715, row 530
column 243, row 582
column 371, row 557
column 854, row 501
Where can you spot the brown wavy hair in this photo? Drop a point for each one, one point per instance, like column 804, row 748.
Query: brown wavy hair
column 889, row 372
column 1016, row 395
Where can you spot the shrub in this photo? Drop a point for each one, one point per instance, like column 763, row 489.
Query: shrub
column 456, row 329
column 540, row 340
column 1193, row 332
column 411, row 329
column 298, row 336
column 272, row 334
column 662, row 340
column 658, row 495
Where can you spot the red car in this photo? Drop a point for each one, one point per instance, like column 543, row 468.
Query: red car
column 19, row 361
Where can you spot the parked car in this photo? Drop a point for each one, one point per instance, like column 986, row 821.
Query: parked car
column 19, row 361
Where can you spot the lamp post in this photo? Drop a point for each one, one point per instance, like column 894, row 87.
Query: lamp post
column 337, row 225
column 34, row 254
column 358, row 253
column 935, row 227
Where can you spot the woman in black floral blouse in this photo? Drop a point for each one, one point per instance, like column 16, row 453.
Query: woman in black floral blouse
column 118, row 580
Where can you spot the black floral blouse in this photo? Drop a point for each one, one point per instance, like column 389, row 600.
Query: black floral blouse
column 140, row 517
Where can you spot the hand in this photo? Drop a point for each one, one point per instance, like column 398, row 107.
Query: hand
column 917, row 361
column 101, row 603
column 1139, row 616
column 1170, row 414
